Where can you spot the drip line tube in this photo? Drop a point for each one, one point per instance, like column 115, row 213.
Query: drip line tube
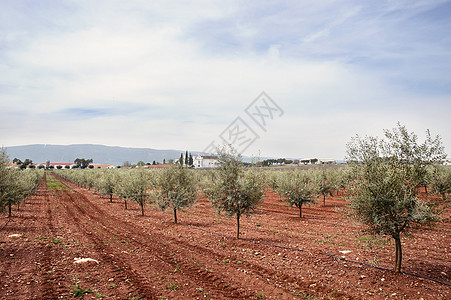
column 330, row 255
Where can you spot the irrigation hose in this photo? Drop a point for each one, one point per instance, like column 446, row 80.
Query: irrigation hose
column 384, row 269
column 330, row 255
column 5, row 224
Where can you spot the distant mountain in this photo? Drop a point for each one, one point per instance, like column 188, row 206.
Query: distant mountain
column 100, row 154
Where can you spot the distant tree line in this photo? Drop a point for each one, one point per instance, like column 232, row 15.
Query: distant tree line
column 273, row 161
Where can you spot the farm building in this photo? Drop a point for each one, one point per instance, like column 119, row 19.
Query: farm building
column 205, row 161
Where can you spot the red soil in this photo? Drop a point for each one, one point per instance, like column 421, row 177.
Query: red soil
column 279, row 256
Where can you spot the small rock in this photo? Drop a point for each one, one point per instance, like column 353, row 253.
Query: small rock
column 84, row 260
column 16, row 235
column 382, row 279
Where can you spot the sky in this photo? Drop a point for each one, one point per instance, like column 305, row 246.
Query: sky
column 294, row 79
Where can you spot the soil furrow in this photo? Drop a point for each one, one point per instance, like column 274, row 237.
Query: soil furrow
column 207, row 277
column 108, row 255
column 49, row 275
column 165, row 253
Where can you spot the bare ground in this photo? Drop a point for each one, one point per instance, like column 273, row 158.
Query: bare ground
column 279, row 256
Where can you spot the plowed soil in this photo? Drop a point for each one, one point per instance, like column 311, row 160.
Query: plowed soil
column 279, row 256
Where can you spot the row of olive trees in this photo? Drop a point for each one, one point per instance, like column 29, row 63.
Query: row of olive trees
column 173, row 188
column 15, row 184
column 383, row 181
column 230, row 188
column 303, row 187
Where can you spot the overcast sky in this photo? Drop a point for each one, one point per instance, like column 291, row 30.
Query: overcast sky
column 178, row 74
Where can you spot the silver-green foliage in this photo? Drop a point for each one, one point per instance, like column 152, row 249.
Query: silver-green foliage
column 298, row 188
column 233, row 190
column 15, row 184
column 135, row 185
column 387, row 173
column 106, row 183
column 440, row 181
column 176, row 188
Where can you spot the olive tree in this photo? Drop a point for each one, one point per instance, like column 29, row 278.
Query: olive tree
column 175, row 187
column 441, row 181
column 135, row 186
column 387, row 173
column 106, row 183
column 10, row 189
column 298, row 188
column 273, row 180
column 234, row 190
column 15, row 185
column 324, row 183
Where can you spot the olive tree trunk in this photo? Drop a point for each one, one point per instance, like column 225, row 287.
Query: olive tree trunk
column 238, row 225
column 300, row 210
column 398, row 254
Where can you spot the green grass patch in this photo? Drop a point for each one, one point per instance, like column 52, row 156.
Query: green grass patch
column 54, row 184
column 79, row 292
column 172, row 287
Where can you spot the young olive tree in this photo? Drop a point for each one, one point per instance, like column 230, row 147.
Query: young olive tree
column 135, row 185
column 106, row 183
column 15, row 185
column 121, row 185
column 387, row 173
column 441, row 181
column 324, row 183
column 272, row 179
column 298, row 188
column 234, row 190
column 341, row 180
column 175, row 187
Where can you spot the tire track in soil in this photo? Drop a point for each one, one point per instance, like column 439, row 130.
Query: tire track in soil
column 165, row 259
column 215, row 283
column 212, row 280
column 109, row 255
column 275, row 276
column 47, row 276
column 16, row 269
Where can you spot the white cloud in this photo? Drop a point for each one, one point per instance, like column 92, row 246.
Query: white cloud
column 174, row 75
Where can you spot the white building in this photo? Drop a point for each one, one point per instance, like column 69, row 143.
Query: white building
column 313, row 161
column 205, row 162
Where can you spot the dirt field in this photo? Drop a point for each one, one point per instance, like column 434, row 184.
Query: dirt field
column 279, row 256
